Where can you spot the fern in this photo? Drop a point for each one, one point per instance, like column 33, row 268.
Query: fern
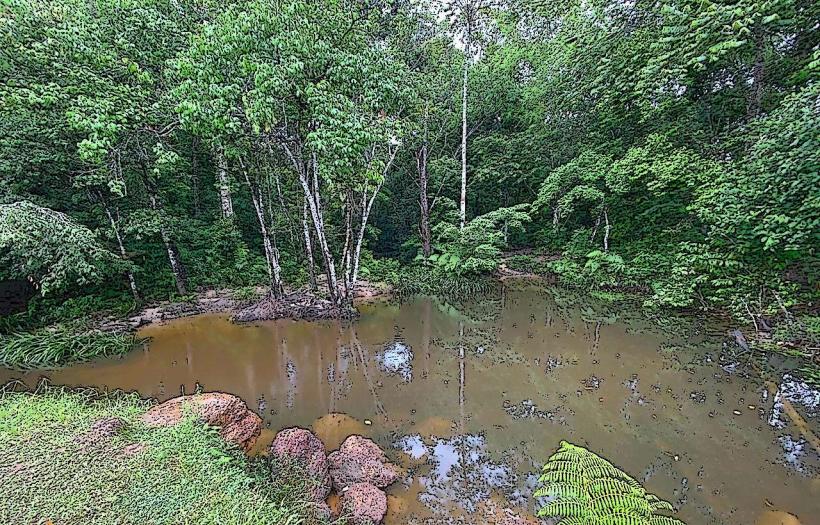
column 586, row 489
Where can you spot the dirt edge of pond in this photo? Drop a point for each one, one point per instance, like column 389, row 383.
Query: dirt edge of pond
column 301, row 304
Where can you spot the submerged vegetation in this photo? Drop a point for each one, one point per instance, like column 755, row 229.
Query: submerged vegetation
column 57, row 468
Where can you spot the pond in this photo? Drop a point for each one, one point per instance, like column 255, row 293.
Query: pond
column 472, row 397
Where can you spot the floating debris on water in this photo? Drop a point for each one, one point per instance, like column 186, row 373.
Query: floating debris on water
column 527, row 409
column 698, row 396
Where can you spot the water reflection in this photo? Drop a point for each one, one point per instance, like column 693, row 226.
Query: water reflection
column 397, row 359
column 459, row 471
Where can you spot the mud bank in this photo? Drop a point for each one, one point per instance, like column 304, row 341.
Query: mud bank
column 296, row 304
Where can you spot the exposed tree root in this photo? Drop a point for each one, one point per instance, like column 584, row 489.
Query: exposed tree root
column 295, row 305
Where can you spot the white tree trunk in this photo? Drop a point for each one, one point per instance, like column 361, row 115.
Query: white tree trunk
column 132, row 283
column 274, row 270
column 367, row 206
column 463, row 203
column 308, row 245
column 606, row 231
column 225, row 197
column 315, row 206
column 176, row 265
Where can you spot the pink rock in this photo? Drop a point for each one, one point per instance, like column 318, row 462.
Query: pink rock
column 237, row 424
column 363, row 504
column 360, row 460
column 302, row 447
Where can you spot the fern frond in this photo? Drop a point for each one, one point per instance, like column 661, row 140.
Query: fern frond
column 575, row 521
column 620, row 520
column 564, row 477
column 564, row 509
column 589, row 490
column 562, row 491
column 610, row 504
column 658, row 504
column 612, row 486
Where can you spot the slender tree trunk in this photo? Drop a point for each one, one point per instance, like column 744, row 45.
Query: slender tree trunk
column 348, row 246
column 274, row 270
column 308, row 245
column 177, row 268
column 225, row 198
column 360, row 237
column 424, row 203
column 606, row 230
column 595, row 228
column 311, row 189
column 309, row 180
column 463, row 204
column 755, row 105
column 195, row 175
column 132, row 283
column 367, row 206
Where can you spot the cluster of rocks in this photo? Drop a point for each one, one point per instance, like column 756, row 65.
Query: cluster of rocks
column 356, row 473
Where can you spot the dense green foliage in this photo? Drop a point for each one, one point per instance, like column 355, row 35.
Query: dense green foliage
column 151, row 149
column 585, row 489
column 180, row 474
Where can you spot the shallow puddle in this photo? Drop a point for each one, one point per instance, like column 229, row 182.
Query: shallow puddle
column 472, row 398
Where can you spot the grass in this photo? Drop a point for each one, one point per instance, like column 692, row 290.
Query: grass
column 60, row 344
column 184, row 474
column 418, row 280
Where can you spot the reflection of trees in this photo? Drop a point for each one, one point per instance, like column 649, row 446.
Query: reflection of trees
column 425, row 338
column 461, row 472
column 337, row 371
column 363, row 360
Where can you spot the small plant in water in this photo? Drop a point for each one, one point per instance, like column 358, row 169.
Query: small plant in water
column 585, row 489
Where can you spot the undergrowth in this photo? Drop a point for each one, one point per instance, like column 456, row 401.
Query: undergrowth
column 61, row 344
column 425, row 280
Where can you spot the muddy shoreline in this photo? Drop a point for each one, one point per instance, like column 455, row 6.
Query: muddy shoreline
column 300, row 304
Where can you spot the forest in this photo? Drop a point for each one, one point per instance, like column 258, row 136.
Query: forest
column 300, row 151
column 151, row 149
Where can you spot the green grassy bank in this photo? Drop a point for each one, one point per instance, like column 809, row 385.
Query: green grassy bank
column 54, row 471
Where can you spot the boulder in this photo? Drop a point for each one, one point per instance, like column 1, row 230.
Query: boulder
column 360, row 460
column 300, row 446
column 237, row 424
column 363, row 504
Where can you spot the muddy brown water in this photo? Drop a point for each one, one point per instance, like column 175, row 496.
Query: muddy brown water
column 472, row 398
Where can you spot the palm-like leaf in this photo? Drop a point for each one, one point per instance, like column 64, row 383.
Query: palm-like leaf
column 587, row 489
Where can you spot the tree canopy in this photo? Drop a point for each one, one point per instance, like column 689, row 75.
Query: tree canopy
column 666, row 147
